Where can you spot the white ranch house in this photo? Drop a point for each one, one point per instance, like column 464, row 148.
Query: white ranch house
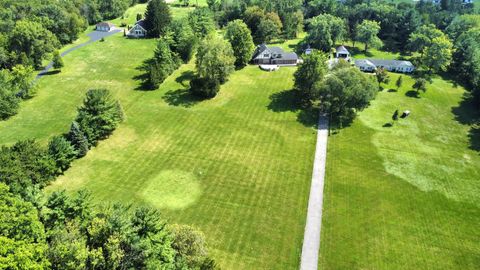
column 370, row 65
column 138, row 30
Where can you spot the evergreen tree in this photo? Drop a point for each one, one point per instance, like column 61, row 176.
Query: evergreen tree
column 99, row 115
column 62, row 152
column 78, row 140
column 184, row 40
column 157, row 18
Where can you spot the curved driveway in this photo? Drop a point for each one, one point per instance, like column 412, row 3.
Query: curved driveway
column 94, row 36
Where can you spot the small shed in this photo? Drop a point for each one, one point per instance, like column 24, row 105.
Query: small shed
column 104, row 26
column 342, row 52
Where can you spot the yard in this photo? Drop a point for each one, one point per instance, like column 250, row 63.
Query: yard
column 238, row 166
column 405, row 196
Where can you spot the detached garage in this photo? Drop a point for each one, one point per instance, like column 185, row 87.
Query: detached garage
column 105, row 26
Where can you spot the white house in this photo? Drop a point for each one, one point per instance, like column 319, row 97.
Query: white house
column 105, row 27
column 138, row 30
column 342, row 52
column 370, row 65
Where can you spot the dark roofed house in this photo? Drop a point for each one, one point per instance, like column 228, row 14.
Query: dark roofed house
column 105, row 27
column 265, row 55
column 139, row 30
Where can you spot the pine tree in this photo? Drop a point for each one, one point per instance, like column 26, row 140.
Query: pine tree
column 62, row 151
column 78, row 140
column 157, row 18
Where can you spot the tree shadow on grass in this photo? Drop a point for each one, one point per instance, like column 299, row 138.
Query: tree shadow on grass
column 392, row 90
column 412, row 94
column 387, row 125
column 467, row 113
column 51, row 72
column 186, row 76
column 287, row 101
column 143, row 77
column 181, row 98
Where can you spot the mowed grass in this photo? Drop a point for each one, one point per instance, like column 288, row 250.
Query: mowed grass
column 238, row 166
column 406, row 196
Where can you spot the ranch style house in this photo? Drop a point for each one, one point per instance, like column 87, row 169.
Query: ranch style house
column 370, row 65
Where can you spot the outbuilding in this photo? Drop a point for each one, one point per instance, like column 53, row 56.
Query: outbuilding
column 105, row 27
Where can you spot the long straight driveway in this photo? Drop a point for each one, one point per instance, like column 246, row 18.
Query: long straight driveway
column 311, row 238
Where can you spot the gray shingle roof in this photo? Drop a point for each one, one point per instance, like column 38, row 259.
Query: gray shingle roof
column 109, row 24
column 276, row 51
column 142, row 24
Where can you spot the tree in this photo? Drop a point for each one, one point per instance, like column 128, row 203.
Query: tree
column 68, row 247
column 184, row 40
column 190, row 245
column 78, row 139
column 9, row 102
column 382, row 75
column 420, row 84
column 242, row 42
column 324, row 31
column 162, row 65
column 367, row 32
column 423, row 38
column 346, row 91
column 252, row 17
column 34, row 40
column 204, row 88
column 399, row 82
column 309, row 75
column 22, row 80
column 215, row 59
column 22, row 235
column 157, row 18
column 99, row 115
column 62, row 152
column 201, row 21
column 293, row 24
column 438, row 55
column 269, row 28
column 57, row 60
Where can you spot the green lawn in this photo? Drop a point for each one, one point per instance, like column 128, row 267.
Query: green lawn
column 407, row 196
column 238, row 166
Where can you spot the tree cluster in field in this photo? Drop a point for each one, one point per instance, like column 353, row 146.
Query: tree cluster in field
column 340, row 93
column 26, row 167
column 66, row 232
column 216, row 57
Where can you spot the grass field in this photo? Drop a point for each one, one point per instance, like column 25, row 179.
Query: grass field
column 238, row 167
column 406, row 196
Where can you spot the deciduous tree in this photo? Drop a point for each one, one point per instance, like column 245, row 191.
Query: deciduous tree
column 242, row 42
column 367, row 32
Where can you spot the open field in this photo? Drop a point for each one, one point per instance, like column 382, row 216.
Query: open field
column 237, row 167
column 406, row 196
